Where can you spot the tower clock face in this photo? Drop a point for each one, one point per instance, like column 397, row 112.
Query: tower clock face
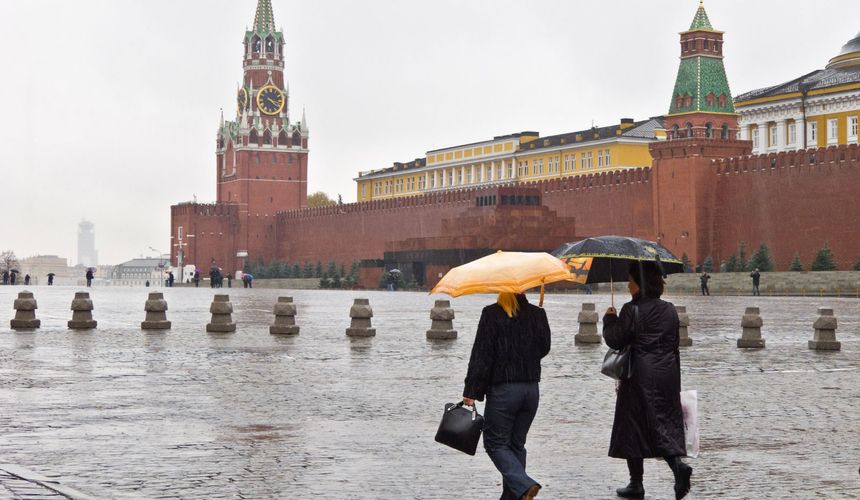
column 242, row 99
column 271, row 100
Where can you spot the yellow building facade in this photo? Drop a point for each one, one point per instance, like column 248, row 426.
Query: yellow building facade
column 819, row 109
column 520, row 157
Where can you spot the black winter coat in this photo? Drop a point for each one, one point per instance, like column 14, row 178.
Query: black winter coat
column 507, row 349
column 649, row 421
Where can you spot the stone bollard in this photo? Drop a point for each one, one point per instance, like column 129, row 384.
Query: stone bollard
column 824, row 338
column 82, row 312
column 587, row 319
column 442, row 325
column 360, row 326
column 684, row 339
column 156, row 313
column 751, row 323
column 25, row 312
column 285, row 317
column 222, row 315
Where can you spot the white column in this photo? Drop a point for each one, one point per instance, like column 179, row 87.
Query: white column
column 781, row 126
column 800, row 131
column 762, row 138
column 472, row 171
column 743, row 132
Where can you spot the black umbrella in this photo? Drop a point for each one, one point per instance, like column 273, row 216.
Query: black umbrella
column 611, row 257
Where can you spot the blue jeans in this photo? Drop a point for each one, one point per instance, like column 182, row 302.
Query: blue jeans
column 509, row 413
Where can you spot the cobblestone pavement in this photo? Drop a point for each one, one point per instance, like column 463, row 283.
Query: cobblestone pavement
column 118, row 413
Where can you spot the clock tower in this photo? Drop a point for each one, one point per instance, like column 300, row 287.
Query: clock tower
column 261, row 155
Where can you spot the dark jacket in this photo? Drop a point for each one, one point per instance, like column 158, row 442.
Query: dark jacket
column 507, row 349
column 756, row 276
column 648, row 418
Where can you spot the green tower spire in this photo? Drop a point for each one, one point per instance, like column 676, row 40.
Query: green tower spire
column 701, row 84
column 264, row 19
column 264, row 22
column 701, row 21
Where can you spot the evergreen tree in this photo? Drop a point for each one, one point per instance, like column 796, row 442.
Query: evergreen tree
column 857, row 264
column 309, row 270
column 324, row 281
column 297, row 270
column 742, row 265
column 732, row 264
column 824, row 260
column 686, row 260
column 761, row 259
column 796, row 265
column 708, row 265
column 332, row 269
column 318, row 271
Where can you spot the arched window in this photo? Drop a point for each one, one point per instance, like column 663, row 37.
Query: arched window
column 724, row 131
column 689, row 129
column 722, row 100
column 675, row 131
column 267, row 137
column 270, row 45
column 256, row 43
column 282, row 139
column 709, row 130
column 679, row 101
column 710, row 99
column 254, row 138
column 297, row 139
column 688, row 100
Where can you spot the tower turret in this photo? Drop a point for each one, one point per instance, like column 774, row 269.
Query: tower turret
column 702, row 103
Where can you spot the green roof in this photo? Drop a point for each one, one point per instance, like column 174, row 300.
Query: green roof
column 701, row 22
column 699, row 77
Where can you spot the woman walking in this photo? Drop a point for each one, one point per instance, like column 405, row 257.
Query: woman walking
column 512, row 337
column 649, row 422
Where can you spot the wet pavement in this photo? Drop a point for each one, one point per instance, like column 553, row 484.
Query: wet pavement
column 119, row 413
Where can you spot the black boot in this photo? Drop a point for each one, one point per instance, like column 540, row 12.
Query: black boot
column 632, row 490
column 682, row 472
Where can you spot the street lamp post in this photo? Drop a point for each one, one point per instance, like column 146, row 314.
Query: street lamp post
column 163, row 278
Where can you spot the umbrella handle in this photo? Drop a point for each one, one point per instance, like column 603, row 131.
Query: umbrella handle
column 611, row 284
column 541, row 295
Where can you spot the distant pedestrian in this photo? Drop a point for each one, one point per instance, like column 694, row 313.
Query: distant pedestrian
column 89, row 277
column 6, row 277
column 704, row 278
column 13, row 278
column 229, row 281
column 196, row 279
column 51, row 279
column 26, row 280
column 147, row 284
column 170, row 279
column 756, row 278
column 588, row 290
column 723, row 267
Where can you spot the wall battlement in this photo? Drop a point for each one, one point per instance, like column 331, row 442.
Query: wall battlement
column 844, row 155
column 466, row 196
column 205, row 209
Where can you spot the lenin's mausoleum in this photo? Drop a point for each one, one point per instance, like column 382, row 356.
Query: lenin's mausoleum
column 778, row 166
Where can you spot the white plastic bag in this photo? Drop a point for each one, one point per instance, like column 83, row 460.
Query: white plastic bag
column 690, row 407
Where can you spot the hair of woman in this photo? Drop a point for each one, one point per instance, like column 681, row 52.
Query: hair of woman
column 647, row 276
column 509, row 303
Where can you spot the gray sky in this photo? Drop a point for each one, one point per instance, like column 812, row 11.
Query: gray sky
column 111, row 106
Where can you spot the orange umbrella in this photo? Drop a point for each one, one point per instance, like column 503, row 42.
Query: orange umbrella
column 513, row 272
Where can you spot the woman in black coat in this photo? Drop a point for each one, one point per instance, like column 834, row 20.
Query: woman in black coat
column 649, row 422
column 512, row 337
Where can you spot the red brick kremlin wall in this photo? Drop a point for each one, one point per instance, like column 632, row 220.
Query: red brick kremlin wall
column 792, row 202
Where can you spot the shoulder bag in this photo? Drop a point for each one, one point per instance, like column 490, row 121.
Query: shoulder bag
column 618, row 363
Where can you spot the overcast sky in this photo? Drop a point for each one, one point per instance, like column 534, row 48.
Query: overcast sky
column 111, row 106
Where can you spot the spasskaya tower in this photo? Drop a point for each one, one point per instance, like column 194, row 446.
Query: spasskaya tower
column 261, row 156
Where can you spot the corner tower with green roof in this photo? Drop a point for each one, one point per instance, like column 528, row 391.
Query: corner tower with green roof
column 701, row 104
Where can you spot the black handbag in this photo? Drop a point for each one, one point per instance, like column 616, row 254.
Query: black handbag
column 618, row 363
column 460, row 428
